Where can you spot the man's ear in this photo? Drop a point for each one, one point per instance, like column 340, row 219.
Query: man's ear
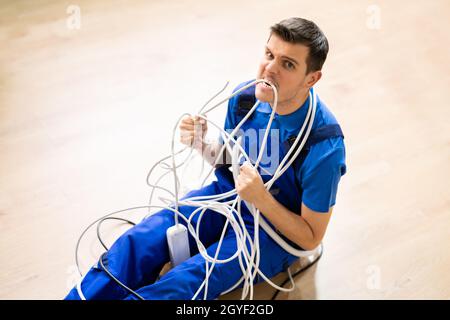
column 312, row 78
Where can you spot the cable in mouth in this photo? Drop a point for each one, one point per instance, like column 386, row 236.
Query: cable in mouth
column 268, row 84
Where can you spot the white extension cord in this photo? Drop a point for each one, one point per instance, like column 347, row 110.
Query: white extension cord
column 177, row 236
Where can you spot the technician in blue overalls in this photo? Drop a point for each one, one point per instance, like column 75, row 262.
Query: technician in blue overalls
column 298, row 206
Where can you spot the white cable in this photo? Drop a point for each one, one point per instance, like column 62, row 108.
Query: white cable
column 248, row 257
column 79, row 291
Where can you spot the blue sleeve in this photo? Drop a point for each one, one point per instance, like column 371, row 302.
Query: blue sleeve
column 321, row 173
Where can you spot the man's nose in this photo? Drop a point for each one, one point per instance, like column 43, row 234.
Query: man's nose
column 271, row 67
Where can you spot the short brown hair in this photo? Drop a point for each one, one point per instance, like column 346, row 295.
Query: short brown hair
column 307, row 33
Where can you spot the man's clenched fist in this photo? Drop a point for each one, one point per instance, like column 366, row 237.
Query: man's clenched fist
column 192, row 131
column 249, row 185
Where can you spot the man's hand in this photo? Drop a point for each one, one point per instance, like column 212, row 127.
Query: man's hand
column 192, row 131
column 249, row 185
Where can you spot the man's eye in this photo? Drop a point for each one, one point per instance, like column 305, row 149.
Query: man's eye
column 289, row 65
column 269, row 55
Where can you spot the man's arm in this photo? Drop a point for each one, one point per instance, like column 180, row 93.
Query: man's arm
column 306, row 230
column 193, row 130
column 210, row 151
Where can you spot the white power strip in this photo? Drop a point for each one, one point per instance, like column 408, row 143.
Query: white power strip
column 178, row 241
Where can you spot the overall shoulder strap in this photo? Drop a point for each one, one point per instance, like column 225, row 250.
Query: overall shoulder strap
column 317, row 135
column 246, row 100
column 323, row 133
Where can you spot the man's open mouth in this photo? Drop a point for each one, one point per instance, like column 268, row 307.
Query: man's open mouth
column 266, row 84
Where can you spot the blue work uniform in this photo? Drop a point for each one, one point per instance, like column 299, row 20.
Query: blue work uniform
column 137, row 257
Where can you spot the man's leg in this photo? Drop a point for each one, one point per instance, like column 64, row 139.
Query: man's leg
column 183, row 281
column 137, row 257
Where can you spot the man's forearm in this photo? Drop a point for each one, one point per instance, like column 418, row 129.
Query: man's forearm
column 210, row 151
column 291, row 225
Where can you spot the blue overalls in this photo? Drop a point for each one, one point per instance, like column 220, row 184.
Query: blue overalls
column 137, row 257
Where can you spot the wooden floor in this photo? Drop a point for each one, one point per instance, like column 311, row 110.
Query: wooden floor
column 84, row 113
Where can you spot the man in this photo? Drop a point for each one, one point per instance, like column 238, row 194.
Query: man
column 299, row 205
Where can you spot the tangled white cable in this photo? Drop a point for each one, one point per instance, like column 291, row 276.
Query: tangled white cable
column 230, row 209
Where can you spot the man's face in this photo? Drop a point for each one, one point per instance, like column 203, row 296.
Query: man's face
column 284, row 65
